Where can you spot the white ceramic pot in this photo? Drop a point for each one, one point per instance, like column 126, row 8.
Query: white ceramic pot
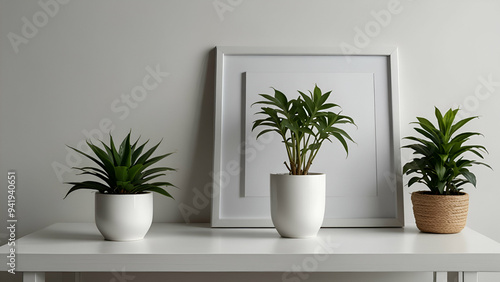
column 298, row 204
column 123, row 217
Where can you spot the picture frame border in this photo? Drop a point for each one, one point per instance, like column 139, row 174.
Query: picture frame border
column 392, row 55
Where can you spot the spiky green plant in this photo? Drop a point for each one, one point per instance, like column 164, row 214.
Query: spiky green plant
column 304, row 124
column 123, row 171
column 440, row 162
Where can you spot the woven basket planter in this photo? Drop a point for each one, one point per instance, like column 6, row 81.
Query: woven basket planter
column 443, row 214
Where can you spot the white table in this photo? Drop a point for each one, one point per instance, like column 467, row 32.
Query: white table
column 78, row 247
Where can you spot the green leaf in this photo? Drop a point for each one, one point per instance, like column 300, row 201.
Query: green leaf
column 341, row 131
column 324, row 98
column 158, row 190
column 427, row 125
column 281, row 98
column 125, row 187
column 134, row 170
column 137, row 152
column 439, row 161
column 76, row 187
column 314, row 146
column 303, row 124
column 92, row 185
column 155, row 160
column 461, row 123
column 421, row 149
column 136, row 142
column 142, row 159
column 108, row 151
column 116, row 156
column 328, row 106
column 342, row 141
column 90, row 157
column 103, row 157
column 308, row 103
column 156, row 170
column 414, row 180
column 266, row 131
column 430, row 135
column 144, row 179
column 271, row 99
column 440, row 119
column 440, row 171
column 471, row 178
column 440, row 187
column 103, row 177
column 121, row 173
column 126, row 152
column 317, row 95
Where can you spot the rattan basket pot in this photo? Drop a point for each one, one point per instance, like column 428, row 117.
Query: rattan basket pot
column 445, row 214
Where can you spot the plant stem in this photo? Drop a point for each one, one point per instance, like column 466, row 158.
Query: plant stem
column 288, row 152
column 312, row 156
column 299, row 156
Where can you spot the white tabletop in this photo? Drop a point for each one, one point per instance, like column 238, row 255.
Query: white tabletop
column 79, row 247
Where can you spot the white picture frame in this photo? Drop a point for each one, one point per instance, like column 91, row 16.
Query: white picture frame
column 369, row 181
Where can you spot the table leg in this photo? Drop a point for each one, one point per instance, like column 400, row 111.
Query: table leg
column 470, row 277
column 455, row 277
column 33, row 277
column 460, row 277
column 440, row 277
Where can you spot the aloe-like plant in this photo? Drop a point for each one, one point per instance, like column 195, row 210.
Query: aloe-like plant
column 304, row 124
column 123, row 171
column 440, row 162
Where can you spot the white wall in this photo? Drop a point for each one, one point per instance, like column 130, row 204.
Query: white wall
column 64, row 79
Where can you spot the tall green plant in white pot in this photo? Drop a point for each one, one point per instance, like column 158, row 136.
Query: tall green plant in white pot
column 304, row 124
column 442, row 162
column 123, row 198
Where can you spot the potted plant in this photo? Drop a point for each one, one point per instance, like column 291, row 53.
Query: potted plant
column 441, row 163
column 304, row 123
column 124, row 199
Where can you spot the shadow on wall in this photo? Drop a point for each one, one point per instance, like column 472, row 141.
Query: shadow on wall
column 195, row 206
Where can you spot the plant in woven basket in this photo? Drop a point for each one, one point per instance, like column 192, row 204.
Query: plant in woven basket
column 126, row 170
column 441, row 154
column 304, row 124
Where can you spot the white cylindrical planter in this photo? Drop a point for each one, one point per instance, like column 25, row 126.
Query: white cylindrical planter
column 298, row 204
column 123, row 217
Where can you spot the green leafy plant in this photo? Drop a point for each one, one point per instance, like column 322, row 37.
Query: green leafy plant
column 123, row 171
column 440, row 163
column 304, row 124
